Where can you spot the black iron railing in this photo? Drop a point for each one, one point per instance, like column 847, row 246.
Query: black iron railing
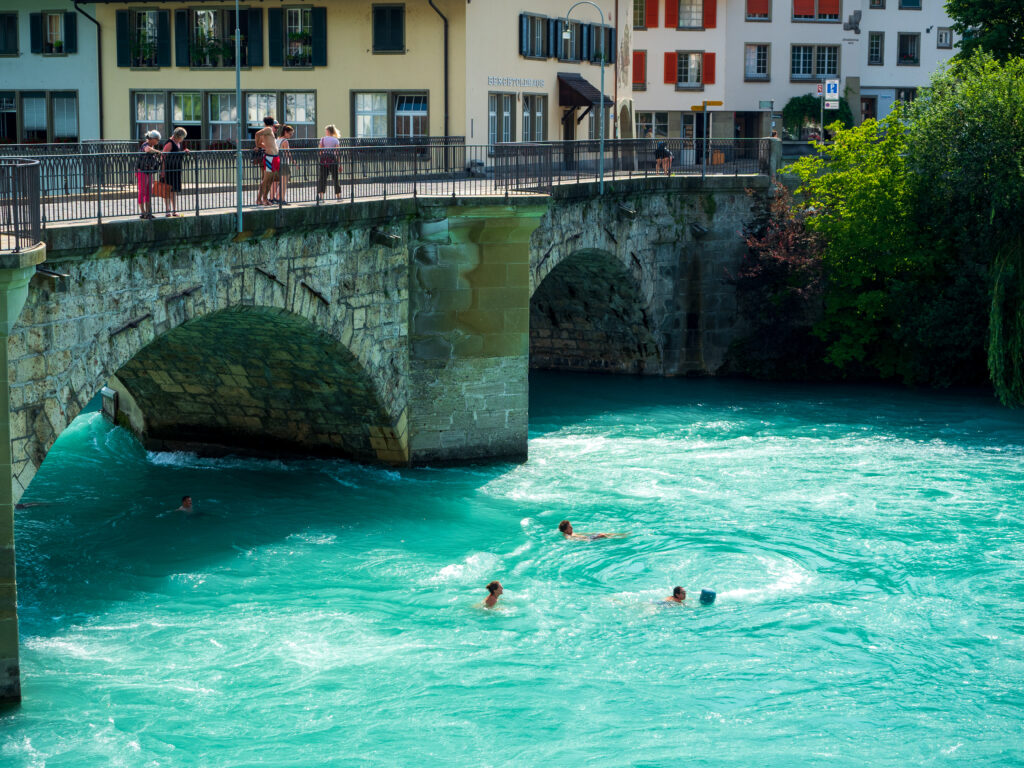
column 99, row 186
column 110, row 146
column 20, row 210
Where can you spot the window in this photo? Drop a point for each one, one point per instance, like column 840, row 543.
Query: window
column 8, row 34
column 810, row 62
column 533, row 36
column 876, row 4
column 371, row 113
column 688, row 67
column 759, row 10
column 53, row 33
column 639, row 70
column 602, row 41
column 33, row 118
column 212, row 38
column 816, row 10
column 535, row 110
column 65, row 117
column 639, row 14
column 258, row 106
column 755, row 62
column 300, row 114
column 691, row 14
column 223, row 113
column 910, row 5
column 908, row 50
column 655, row 122
column 876, row 48
column 298, row 49
column 944, row 38
column 187, row 111
column 144, row 38
column 389, row 29
column 501, row 117
column 594, row 127
column 906, row 95
column 571, row 49
column 8, row 118
column 411, row 116
column 149, row 113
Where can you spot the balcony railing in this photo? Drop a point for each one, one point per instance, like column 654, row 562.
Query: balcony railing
column 20, row 211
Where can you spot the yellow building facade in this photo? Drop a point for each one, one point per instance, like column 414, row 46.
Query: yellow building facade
column 375, row 70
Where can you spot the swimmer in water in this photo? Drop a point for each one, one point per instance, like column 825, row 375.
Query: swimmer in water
column 186, row 506
column 678, row 596
column 495, row 590
column 566, row 528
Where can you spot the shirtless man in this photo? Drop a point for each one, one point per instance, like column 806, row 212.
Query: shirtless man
column 566, row 528
column 495, row 590
column 186, row 505
column 267, row 141
column 678, row 596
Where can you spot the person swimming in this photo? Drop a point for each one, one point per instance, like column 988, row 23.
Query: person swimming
column 566, row 528
column 678, row 596
column 495, row 591
column 186, row 506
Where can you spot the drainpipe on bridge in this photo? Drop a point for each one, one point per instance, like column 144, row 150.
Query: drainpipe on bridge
column 99, row 63
column 445, row 20
column 16, row 269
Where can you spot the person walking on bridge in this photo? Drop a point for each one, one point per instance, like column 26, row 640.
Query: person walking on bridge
column 146, row 166
column 266, row 140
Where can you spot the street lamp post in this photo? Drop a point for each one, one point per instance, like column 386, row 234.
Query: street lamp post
column 238, row 113
column 567, row 36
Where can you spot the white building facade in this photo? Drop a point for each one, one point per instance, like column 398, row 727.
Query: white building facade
column 49, row 88
column 766, row 52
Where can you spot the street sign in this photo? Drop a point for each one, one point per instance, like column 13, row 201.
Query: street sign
column 831, row 89
column 765, row 104
column 713, row 103
column 831, row 104
column 819, row 88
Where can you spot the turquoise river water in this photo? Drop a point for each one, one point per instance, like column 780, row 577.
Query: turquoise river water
column 866, row 545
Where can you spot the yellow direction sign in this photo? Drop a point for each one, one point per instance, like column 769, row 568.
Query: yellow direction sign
column 700, row 107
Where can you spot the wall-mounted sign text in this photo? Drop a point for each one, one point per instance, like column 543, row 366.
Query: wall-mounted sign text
column 513, row 82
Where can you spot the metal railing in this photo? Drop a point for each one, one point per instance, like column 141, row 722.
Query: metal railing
column 110, row 146
column 20, row 210
column 98, row 186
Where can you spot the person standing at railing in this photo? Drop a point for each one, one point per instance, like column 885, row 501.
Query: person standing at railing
column 267, row 142
column 174, row 157
column 146, row 166
column 329, row 144
column 279, row 189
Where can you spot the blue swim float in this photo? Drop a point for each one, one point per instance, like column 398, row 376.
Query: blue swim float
column 707, row 596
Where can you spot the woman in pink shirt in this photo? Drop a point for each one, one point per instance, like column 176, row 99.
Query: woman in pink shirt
column 329, row 162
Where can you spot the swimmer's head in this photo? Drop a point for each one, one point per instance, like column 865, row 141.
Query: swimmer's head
column 186, row 500
column 679, row 593
column 495, row 587
column 565, row 527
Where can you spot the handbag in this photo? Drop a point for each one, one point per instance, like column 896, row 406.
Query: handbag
column 256, row 155
column 162, row 189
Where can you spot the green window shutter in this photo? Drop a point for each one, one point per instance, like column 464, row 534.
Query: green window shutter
column 319, row 37
column 124, row 48
column 611, row 46
column 524, row 34
column 70, row 32
column 181, row 39
column 163, row 38
column 255, row 41
column 275, row 41
column 35, row 32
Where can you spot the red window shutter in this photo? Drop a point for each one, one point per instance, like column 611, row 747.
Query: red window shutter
column 707, row 71
column 758, row 8
column 803, row 8
column 639, row 67
column 651, row 13
column 671, row 68
column 710, row 14
column 671, row 14
column 830, row 7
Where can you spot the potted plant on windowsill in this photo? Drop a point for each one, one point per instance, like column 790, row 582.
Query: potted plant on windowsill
column 143, row 53
column 58, row 46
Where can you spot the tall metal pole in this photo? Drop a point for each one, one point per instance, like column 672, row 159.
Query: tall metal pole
column 238, row 111
column 600, row 13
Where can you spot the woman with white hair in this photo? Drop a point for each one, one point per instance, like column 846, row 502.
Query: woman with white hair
column 146, row 166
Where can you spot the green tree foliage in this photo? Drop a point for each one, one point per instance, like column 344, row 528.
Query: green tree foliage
column 996, row 26
column 806, row 110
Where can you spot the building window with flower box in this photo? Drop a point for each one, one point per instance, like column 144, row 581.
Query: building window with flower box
column 908, row 51
column 206, row 38
column 143, row 39
column 53, row 33
column 296, row 37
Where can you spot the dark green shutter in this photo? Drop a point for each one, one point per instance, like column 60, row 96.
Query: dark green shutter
column 524, row 34
column 398, row 28
column 255, row 41
column 70, row 32
column 9, row 33
column 585, row 47
column 124, row 48
column 552, row 51
column 611, row 46
column 163, row 38
column 35, row 32
column 275, row 42
column 181, row 57
column 319, row 17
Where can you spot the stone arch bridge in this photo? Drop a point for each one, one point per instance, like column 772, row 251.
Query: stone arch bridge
column 397, row 331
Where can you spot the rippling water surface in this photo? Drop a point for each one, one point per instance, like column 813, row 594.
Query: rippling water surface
column 867, row 548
